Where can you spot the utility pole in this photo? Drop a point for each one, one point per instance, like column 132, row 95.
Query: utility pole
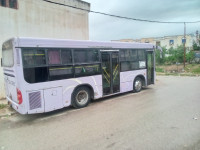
column 184, row 43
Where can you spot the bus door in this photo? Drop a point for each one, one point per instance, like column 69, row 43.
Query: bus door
column 150, row 67
column 110, row 72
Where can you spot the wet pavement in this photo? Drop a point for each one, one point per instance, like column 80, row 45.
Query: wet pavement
column 165, row 116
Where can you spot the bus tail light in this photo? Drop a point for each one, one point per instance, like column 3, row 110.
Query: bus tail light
column 19, row 96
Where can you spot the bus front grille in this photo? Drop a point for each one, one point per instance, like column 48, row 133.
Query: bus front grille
column 34, row 100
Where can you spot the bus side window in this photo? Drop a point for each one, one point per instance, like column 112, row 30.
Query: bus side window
column 35, row 74
column 86, row 56
column 66, row 57
column 58, row 71
column 29, row 57
column 92, row 56
column 86, row 70
column 34, row 63
column 40, row 58
column 34, row 57
column 129, row 59
column 54, row 57
column 80, row 56
column 87, row 62
column 133, row 55
column 141, row 55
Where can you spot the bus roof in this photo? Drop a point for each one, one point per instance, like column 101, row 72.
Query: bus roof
column 64, row 43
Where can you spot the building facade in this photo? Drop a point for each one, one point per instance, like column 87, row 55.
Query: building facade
column 37, row 18
column 166, row 41
column 175, row 41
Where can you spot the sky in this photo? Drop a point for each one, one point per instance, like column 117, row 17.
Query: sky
column 109, row 28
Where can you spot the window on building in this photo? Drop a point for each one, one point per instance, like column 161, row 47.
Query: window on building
column 183, row 40
column 3, row 3
column 9, row 3
column 13, row 4
column 171, row 42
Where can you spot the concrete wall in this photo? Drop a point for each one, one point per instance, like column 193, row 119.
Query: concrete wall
column 37, row 18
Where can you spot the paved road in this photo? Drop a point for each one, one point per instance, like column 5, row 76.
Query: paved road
column 165, row 116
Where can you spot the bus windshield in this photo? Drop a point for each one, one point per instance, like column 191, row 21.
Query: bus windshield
column 7, row 54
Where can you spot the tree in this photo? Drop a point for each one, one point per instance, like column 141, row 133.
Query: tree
column 180, row 54
column 176, row 55
column 160, row 58
column 171, row 59
column 190, row 56
column 196, row 47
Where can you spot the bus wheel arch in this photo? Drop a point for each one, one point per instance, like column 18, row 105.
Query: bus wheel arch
column 138, row 83
column 84, row 91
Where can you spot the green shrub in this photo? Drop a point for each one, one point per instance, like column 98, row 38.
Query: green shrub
column 159, row 69
column 196, row 70
column 2, row 106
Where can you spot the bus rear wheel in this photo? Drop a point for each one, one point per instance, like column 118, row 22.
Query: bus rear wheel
column 81, row 97
column 137, row 85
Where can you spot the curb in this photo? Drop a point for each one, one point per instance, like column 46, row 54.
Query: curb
column 178, row 74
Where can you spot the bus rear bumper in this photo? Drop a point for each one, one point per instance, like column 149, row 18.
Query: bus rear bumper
column 19, row 108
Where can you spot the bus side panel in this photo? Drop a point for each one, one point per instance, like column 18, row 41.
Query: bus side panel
column 53, row 99
column 127, row 78
column 94, row 81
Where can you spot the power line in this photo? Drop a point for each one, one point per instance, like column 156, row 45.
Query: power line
column 122, row 17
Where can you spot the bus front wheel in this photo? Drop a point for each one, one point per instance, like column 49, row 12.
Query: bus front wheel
column 81, row 97
column 137, row 85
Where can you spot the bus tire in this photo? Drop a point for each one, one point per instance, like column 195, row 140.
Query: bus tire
column 81, row 97
column 137, row 85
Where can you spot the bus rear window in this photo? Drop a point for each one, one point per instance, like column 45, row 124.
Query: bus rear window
column 7, row 54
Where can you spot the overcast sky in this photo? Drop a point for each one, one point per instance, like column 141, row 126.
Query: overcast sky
column 108, row 28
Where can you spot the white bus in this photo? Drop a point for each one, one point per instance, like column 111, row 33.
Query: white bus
column 43, row 75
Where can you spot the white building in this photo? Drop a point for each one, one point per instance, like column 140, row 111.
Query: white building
column 37, row 18
column 166, row 41
column 175, row 41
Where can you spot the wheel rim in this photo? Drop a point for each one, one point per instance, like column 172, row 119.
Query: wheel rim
column 138, row 85
column 82, row 97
